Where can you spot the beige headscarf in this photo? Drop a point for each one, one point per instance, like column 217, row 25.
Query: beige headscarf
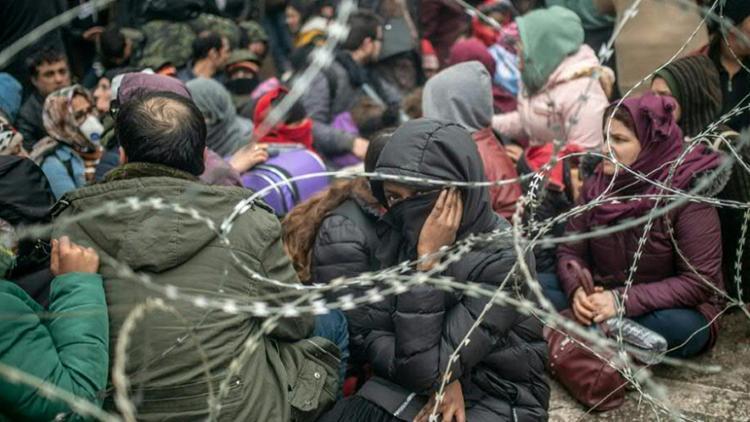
column 59, row 120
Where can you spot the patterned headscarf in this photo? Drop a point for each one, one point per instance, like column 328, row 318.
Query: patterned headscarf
column 59, row 120
column 10, row 138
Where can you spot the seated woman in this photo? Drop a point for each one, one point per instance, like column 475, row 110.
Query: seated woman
column 333, row 234
column 68, row 349
column 408, row 339
column 695, row 85
column 71, row 152
column 558, row 99
column 674, row 290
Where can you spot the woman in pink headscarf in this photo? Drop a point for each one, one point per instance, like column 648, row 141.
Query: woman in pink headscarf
column 675, row 290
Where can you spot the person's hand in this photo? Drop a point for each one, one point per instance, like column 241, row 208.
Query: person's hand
column 604, row 304
column 583, row 309
column 359, row 147
column 451, row 408
column 514, row 152
column 67, row 257
column 248, row 157
column 92, row 33
column 441, row 225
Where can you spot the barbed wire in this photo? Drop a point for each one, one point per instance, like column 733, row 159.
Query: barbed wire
column 300, row 300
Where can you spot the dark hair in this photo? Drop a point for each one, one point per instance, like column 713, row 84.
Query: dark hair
column 376, row 147
column 112, row 44
column 205, row 42
column 300, row 227
column 621, row 114
column 45, row 56
column 363, row 24
column 162, row 128
column 295, row 114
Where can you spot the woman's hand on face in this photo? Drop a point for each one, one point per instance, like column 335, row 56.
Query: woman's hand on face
column 605, row 304
column 442, row 224
column 451, row 408
column 583, row 309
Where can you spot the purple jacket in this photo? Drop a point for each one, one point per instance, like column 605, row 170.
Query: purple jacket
column 663, row 279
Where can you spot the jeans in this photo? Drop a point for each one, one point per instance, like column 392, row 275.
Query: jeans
column 279, row 39
column 685, row 330
column 333, row 326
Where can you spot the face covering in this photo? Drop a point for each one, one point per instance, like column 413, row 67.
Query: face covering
column 401, row 226
column 92, row 129
column 241, row 86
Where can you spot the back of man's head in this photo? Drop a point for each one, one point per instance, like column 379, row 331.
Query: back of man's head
column 162, row 128
column 204, row 43
column 112, row 44
column 363, row 24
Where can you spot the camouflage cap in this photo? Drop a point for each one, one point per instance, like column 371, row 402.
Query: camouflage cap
column 167, row 42
column 255, row 32
column 243, row 55
column 222, row 26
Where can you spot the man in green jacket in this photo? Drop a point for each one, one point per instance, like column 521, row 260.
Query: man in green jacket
column 175, row 360
column 67, row 349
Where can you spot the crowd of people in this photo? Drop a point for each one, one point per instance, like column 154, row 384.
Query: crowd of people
column 128, row 136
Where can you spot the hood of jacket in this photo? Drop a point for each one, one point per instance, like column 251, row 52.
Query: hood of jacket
column 25, row 195
column 460, row 94
column 431, row 149
column 161, row 239
column 548, row 36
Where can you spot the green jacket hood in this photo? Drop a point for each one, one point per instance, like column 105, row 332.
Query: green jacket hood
column 132, row 234
column 548, row 36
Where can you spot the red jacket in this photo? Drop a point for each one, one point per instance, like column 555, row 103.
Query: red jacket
column 663, row 280
column 498, row 166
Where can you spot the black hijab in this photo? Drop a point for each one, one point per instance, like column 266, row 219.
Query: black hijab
column 430, row 149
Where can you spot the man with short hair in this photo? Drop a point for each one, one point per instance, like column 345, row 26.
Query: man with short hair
column 210, row 54
column 177, row 360
column 49, row 72
column 337, row 89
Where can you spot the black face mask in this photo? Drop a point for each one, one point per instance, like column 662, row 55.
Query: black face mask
column 242, row 86
column 401, row 226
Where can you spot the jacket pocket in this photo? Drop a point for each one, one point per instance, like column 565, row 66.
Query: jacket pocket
column 308, row 387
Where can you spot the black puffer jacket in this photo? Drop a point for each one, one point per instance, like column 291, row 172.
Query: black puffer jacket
column 345, row 247
column 410, row 338
column 25, row 200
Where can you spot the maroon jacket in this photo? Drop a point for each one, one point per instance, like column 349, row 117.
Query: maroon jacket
column 498, row 166
column 442, row 22
column 663, row 279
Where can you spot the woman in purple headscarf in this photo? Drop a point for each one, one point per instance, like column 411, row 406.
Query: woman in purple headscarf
column 675, row 286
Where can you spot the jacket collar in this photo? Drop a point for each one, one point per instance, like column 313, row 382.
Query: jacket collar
column 138, row 170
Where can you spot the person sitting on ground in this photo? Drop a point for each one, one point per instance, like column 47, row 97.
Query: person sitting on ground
column 27, row 200
column 71, row 152
column 695, row 85
column 210, row 54
column 227, row 132
column 333, row 234
column 462, row 94
column 557, row 99
column 295, row 128
column 409, row 339
column 163, row 141
column 66, row 349
column 49, row 72
column 336, row 90
column 677, row 286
